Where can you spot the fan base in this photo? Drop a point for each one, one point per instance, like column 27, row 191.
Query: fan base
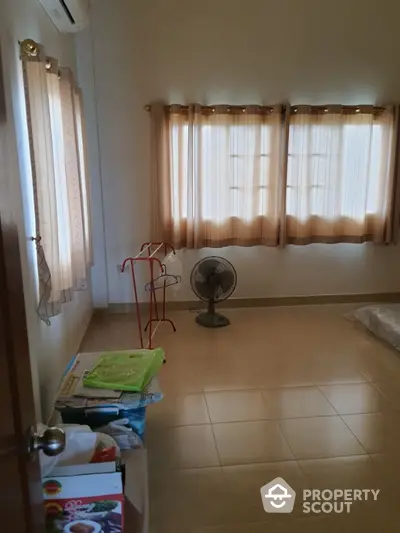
column 212, row 320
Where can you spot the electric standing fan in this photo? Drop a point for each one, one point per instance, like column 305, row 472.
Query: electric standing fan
column 213, row 279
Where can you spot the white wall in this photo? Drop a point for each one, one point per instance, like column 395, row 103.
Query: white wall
column 230, row 51
column 51, row 347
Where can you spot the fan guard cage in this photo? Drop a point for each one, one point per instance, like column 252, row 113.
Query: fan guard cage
column 208, row 266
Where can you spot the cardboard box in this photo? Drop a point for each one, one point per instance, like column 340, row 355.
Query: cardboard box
column 92, row 503
column 88, row 468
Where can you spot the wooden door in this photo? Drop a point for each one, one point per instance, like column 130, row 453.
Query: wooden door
column 21, row 507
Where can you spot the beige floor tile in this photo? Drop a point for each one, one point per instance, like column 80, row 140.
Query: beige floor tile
column 371, row 522
column 250, row 527
column 236, row 406
column 386, row 468
column 191, row 493
column 317, row 524
column 318, row 437
column 182, row 410
column 253, row 476
column 209, row 499
column 339, row 472
column 178, row 377
column 355, row 398
column 195, row 446
column 391, row 391
column 245, row 482
column 287, row 373
column 250, row 442
column 111, row 332
column 253, row 527
column 388, row 461
column 295, row 402
column 182, row 447
column 365, row 521
column 191, row 497
column 330, row 374
column 227, row 374
column 377, row 432
column 379, row 363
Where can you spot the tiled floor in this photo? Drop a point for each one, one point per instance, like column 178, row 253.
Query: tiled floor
column 300, row 393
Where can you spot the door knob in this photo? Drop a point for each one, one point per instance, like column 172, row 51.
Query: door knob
column 51, row 442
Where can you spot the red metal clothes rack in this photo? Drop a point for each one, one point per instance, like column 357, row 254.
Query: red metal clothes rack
column 155, row 264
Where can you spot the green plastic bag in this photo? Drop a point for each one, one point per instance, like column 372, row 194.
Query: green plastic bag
column 128, row 370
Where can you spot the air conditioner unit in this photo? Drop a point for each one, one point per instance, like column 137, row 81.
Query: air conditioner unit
column 68, row 16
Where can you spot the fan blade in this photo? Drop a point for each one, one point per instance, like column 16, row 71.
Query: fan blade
column 205, row 290
column 208, row 267
column 225, row 281
column 219, row 293
column 213, row 278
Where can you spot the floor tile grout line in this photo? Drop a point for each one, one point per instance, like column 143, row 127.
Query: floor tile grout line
column 330, row 403
column 286, row 440
column 306, row 478
column 222, row 391
column 352, row 432
column 282, row 461
column 314, row 384
column 375, row 384
column 222, row 468
column 372, row 384
column 366, row 377
column 336, row 416
column 293, row 460
column 212, row 430
column 281, row 419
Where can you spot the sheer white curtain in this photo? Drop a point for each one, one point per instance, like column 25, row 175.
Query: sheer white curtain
column 59, row 202
column 340, row 179
column 230, row 175
column 216, row 175
column 76, row 194
column 84, row 173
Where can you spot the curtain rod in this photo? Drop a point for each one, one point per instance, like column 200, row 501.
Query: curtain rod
column 293, row 109
column 213, row 107
column 30, row 50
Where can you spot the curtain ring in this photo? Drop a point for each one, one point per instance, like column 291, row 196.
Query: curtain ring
column 29, row 48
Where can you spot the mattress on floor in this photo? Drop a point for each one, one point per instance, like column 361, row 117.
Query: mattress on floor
column 383, row 321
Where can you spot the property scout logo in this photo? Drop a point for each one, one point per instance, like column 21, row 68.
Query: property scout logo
column 279, row 497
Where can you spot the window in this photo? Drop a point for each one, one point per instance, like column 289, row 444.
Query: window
column 57, row 144
column 256, row 175
column 222, row 181
column 339, row 174
column 241, row 154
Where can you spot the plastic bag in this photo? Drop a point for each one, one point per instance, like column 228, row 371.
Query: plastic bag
column 123, row 434
column 173, row 264
column 383, row 321
column 96, row 417
column 152, row 393
column 129, row 370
